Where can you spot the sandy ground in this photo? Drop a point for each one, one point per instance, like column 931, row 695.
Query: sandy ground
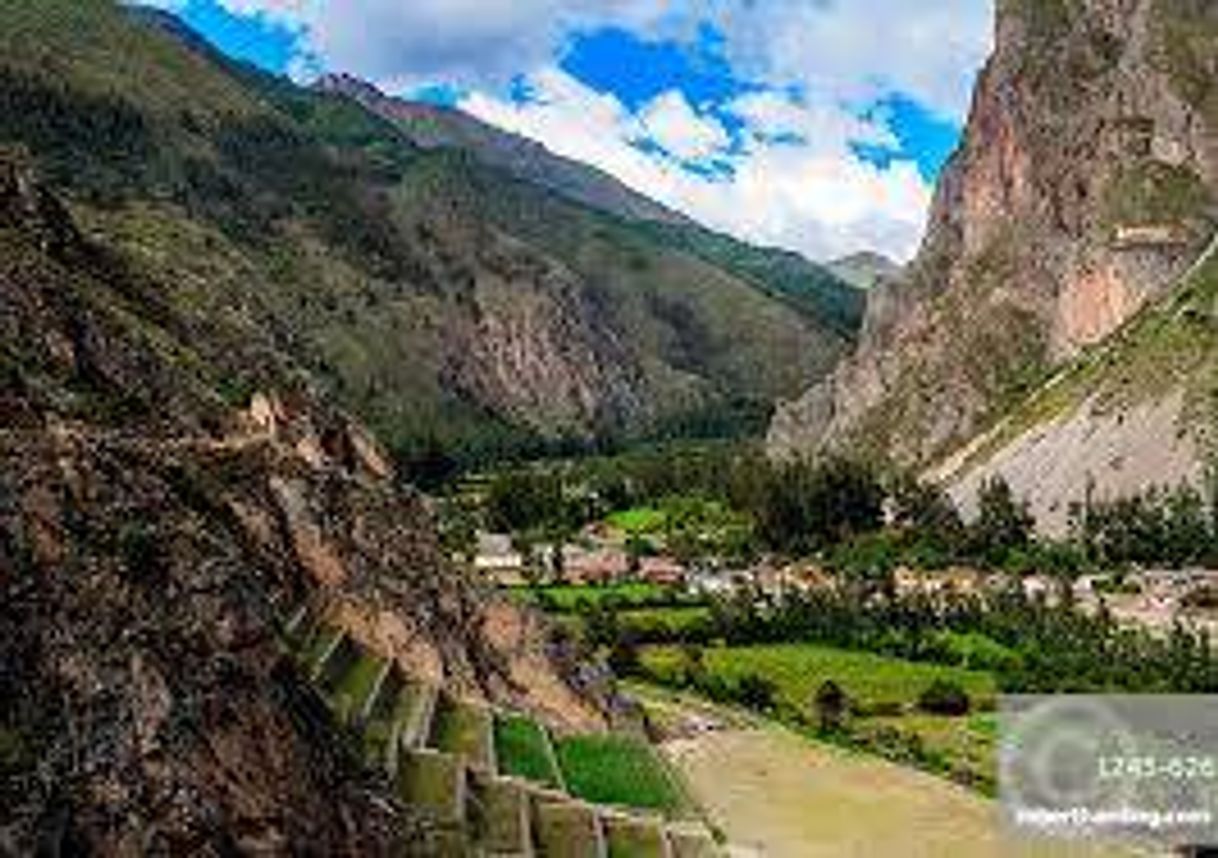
column 775, row 794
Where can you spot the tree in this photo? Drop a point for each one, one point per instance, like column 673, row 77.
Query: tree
column 522, row 500
column 1003, row 524
column 811, row 505
column 925, row 514
column 830, row 705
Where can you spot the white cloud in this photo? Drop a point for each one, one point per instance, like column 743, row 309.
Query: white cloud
column 672, row 123
column 854, row 48
column 468, row 42
column 796, row 181
column 815, row 197
column 862, row 49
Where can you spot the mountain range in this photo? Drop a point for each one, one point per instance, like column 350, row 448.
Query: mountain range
column 465, row 292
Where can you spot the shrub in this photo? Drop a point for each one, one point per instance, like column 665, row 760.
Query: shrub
column 943, row 697
column 756, row 692
column 830, row 704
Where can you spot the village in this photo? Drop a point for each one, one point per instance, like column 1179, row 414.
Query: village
column 604, row 557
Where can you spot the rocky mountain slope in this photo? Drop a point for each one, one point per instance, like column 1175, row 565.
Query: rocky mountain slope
column 1083, row 190
column 1133, row 413
column 822, row 293
column 458, row 310
column 152, row 538
column 432, row 127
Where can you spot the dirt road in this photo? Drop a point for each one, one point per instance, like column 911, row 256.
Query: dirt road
column 777, row 795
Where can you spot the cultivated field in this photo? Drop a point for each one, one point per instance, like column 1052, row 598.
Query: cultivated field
column 615, row 769
column 799, row 669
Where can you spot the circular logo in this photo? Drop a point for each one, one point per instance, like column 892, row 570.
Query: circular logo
column 1052, row 756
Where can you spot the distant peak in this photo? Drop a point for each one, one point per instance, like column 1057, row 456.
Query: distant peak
column 347, row 84
column 864, row 269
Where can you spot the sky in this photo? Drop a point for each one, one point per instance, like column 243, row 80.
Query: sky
column 815, row 125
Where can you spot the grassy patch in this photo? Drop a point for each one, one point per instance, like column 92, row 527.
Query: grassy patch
column 432, row 781
column 671, row 619
column 356, row 685
column 639, row 520
column 521, row 748
column 797, row 670
column 565, row 598
column 962, row 748
column 617, row 769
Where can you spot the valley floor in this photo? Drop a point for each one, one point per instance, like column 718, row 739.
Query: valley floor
column 775, row 794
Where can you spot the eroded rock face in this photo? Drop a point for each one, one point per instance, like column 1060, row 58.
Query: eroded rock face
column 1085, row 185
column 147, row 707
column 531, row 346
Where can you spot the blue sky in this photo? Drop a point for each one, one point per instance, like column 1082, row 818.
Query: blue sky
column 818, row 125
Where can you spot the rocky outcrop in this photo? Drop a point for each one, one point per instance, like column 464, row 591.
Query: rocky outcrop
column 1084, row 186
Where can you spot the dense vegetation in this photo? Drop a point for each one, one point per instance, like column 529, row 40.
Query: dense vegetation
column 728, row 503
column 1032, row 644
column 786, row 275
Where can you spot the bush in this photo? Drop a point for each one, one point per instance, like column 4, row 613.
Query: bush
column 830, row 704
column 756, row 692
column 943, row 697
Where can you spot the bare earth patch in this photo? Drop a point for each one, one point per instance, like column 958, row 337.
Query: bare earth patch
column 775, row 794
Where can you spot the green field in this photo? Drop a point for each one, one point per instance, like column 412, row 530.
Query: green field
column 649, row 621
column 964, row 748
column 639, row 520
column 521, row 748
column 674, row 619
column 565, row 597
column 617, row 769
column 799, row 669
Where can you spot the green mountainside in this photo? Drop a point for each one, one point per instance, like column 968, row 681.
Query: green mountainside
column 459, row 311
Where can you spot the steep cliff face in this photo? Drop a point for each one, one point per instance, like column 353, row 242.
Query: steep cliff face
column 1084, row 186
column 152, row 541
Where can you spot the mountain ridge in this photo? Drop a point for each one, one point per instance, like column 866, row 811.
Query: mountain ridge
column 431, row 126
